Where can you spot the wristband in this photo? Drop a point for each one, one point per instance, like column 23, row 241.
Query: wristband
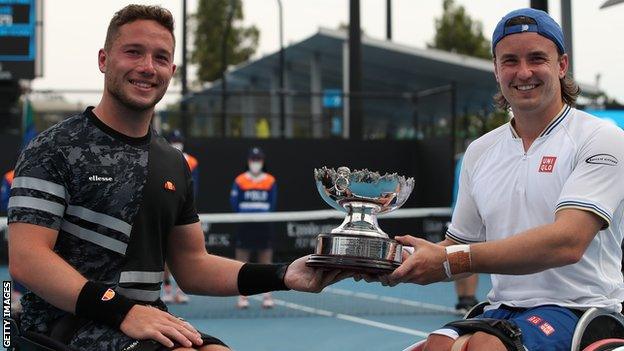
column 457, row 260
column 102, row 304
column 254, row 278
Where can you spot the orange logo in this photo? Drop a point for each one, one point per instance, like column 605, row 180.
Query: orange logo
column 108, row 295
column 169, row 185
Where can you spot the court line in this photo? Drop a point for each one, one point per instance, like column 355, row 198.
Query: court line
column 346, row 317
column 405, row 302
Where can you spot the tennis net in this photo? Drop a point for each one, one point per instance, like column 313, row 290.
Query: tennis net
column 295, row 236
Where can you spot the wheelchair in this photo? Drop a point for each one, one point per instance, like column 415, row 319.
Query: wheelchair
column 31, row 341
column 596, row 330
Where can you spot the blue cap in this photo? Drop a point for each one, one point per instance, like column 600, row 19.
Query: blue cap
column 255, row 153
column 544, row 26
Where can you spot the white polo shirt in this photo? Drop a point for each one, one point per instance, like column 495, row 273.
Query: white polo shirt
column 577, row 162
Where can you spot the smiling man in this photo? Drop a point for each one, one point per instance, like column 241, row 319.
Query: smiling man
column 540, row 205
column 100, row 202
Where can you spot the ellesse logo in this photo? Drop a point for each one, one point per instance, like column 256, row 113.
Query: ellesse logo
column 108, row 295
column 170, row 186
column 131, row 347
column 97, row 178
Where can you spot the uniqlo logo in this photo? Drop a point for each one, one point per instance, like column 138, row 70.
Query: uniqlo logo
column 535, row 320
column 547, row 328
column 548, row 164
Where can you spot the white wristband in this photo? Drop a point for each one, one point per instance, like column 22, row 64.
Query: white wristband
column 458, row 260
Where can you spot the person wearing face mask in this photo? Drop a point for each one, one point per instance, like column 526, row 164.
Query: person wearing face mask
column 171, row 294
column 254, row 191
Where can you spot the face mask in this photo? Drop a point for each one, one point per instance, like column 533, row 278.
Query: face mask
column 255, row 167
column 178, row 146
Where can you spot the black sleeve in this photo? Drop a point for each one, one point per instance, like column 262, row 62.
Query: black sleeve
column 188, row 212
column 39, row 193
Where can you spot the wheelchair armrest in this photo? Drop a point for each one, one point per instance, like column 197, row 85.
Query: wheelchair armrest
column 476, row 310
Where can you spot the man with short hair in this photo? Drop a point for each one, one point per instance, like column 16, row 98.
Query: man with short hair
column 100, row 201
column 540, row 205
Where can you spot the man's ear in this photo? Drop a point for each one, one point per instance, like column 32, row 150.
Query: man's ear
column 102, row 60
column 564, row 64
column 495, row 69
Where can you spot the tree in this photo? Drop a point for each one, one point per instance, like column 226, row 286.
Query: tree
column 457, row 32
column 210, row 24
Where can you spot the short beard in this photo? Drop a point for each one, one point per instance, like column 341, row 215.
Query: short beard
column 128, row 103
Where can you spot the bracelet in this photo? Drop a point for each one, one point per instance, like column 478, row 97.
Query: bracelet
column 102, row 304
column 458, row 260
column 255, row 278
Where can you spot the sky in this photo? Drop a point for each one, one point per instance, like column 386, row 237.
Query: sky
column 75, row 30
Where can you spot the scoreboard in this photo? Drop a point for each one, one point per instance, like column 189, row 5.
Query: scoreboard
column 20, row 39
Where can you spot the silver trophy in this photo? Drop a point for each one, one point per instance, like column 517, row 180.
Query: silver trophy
column 358, row 243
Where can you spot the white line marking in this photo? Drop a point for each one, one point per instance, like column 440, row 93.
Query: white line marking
column 389, row 299
column 380, row 325
column 347, row 317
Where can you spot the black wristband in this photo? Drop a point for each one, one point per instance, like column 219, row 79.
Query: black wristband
column 102, row 304
column 255, row 278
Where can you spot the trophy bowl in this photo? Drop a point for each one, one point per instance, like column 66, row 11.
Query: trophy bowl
column 359, row 244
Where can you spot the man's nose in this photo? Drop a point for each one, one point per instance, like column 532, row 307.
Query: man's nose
column 524, row 70
column 147, row 65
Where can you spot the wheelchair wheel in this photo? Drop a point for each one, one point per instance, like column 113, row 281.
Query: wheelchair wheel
column 606, row 345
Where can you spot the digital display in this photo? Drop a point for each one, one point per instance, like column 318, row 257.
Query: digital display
column 18, row 37
column 14, row 13
column 15, row 46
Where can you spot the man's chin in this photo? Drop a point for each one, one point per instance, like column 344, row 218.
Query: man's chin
column 143, row 107
column 139, row 105
column 525, row 105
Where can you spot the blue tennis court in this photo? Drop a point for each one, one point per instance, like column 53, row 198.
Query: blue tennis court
column 346, row 316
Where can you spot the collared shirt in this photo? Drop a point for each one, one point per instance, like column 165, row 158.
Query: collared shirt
column 576, row 162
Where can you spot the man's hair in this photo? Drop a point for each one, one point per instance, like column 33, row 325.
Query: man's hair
column 569, row 89
column 133, row 13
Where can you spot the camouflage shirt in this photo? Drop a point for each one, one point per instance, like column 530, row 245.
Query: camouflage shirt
column 113, row 199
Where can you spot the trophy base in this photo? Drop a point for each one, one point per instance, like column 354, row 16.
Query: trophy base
column 372, row 255
column 351, row 264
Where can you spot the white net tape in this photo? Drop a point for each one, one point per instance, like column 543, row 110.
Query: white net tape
column 287, row 216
